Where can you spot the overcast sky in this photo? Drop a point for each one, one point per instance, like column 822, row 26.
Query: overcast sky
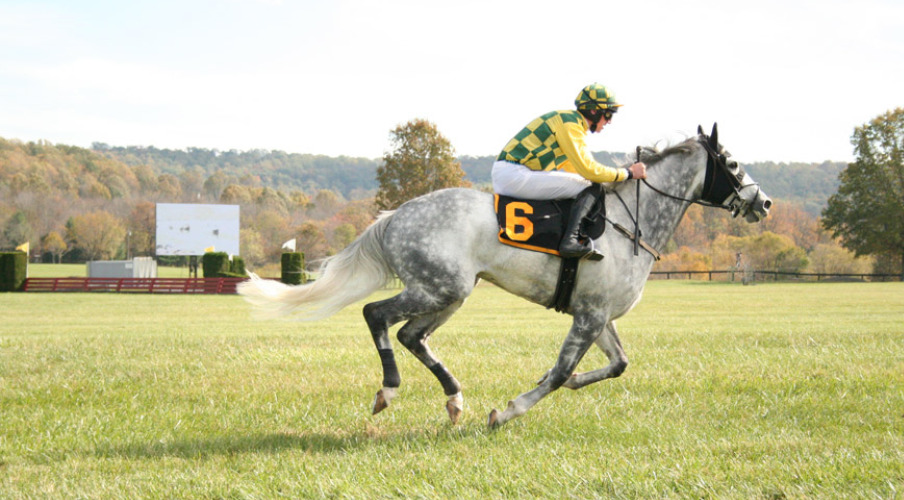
column 786, row 80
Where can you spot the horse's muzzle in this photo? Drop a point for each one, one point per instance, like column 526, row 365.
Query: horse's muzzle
column 759, row 208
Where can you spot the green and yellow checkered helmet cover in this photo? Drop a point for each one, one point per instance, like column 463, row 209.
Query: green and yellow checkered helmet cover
column 596, row 96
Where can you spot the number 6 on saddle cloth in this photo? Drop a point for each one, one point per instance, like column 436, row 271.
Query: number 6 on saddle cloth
column 539, row 225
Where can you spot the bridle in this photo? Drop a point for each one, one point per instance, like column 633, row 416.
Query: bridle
column 724, row 179
column 722, row 187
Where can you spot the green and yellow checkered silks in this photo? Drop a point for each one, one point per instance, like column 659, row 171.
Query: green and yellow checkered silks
column 556, row 141
column 536, row 145
column 595, row 96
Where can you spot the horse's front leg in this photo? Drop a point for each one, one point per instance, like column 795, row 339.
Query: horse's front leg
column 584, row 330
column 618, row 361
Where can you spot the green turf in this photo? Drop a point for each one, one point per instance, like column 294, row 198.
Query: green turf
column 767, row 391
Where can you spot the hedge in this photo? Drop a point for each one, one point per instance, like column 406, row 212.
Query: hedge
column 292, row 268
column 217, row 265
column 214, row 264
column 237, row 267
column 13, row 268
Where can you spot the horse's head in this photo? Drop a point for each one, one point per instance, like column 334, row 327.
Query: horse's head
column 727, row 184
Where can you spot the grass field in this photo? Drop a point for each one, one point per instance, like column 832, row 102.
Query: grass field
column 769, row 391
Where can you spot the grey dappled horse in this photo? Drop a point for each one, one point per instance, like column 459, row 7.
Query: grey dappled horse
column 441, row 244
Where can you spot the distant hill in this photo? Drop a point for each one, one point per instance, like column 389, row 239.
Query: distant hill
column 808, row 184
column 276, row 169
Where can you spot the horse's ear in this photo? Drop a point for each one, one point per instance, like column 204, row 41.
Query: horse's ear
column 714, row 137
column 700, row 130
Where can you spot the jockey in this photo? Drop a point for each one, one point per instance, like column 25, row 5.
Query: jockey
column 549, row 160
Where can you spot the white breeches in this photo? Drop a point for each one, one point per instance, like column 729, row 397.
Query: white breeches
column 513, row 179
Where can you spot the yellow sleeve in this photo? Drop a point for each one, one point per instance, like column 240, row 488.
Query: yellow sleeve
column 571, row 139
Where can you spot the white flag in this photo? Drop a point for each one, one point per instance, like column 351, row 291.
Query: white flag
column 289, row 245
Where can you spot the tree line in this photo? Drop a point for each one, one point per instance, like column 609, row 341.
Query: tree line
column 807, row 184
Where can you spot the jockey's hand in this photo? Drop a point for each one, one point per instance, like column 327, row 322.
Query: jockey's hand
column 638, row 171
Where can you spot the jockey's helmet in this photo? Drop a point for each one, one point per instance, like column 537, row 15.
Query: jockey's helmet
column 596, row 96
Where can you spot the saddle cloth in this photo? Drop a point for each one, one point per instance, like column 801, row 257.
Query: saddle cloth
column 539, row 225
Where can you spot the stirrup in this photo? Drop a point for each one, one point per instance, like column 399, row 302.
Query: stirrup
column 593, row 255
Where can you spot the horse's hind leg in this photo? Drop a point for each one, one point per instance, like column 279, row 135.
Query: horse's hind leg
column 379, row 329
column 380, row 316
column 414, row 337
column 618, row 361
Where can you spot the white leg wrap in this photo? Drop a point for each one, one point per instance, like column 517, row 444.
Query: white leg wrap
column 457, row 401
column 455, row 407
column 389, row 393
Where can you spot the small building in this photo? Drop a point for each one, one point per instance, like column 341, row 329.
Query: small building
column 139, row 267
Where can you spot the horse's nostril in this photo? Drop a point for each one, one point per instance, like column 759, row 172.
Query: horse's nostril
column 767, row 205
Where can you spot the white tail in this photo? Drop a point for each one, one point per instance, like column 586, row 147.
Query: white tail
column 349, row 276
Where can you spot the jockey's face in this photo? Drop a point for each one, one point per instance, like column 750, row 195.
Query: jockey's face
column 600, row 124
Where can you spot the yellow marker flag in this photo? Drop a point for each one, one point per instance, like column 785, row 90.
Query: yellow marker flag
column 23, row 247
column 210, row 249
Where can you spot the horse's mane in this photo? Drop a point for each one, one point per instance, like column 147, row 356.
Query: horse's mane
column 652, row 154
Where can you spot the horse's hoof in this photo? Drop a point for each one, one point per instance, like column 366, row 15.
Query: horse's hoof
column 455, row 407
column 384, row 396
column 454, row 413
column 493, row 421
column 381, row 401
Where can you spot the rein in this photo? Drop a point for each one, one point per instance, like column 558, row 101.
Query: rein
column 714, row 159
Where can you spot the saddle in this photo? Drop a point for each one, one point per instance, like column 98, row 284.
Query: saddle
column 539, row 225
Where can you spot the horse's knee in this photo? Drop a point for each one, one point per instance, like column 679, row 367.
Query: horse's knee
column 556, row 379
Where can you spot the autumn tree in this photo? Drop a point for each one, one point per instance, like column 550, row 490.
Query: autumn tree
column 343, row 235
column 99, row 234
column 684, row 259
column 235, row 194
column 359, row 214
column 790, row 219
column 251, row 246
column 273, row 230
column 832, row 258
column 325, row 204
column 312, row 241
column 422, row 160
column 867, row 212
column 17, row 231
column 55, row 245
column 169, row 187
column 143, row 226
column 766, row 251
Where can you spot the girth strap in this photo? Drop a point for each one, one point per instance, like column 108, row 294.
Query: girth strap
column 568, row 273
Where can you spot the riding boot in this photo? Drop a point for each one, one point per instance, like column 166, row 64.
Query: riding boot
column 571, row 247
